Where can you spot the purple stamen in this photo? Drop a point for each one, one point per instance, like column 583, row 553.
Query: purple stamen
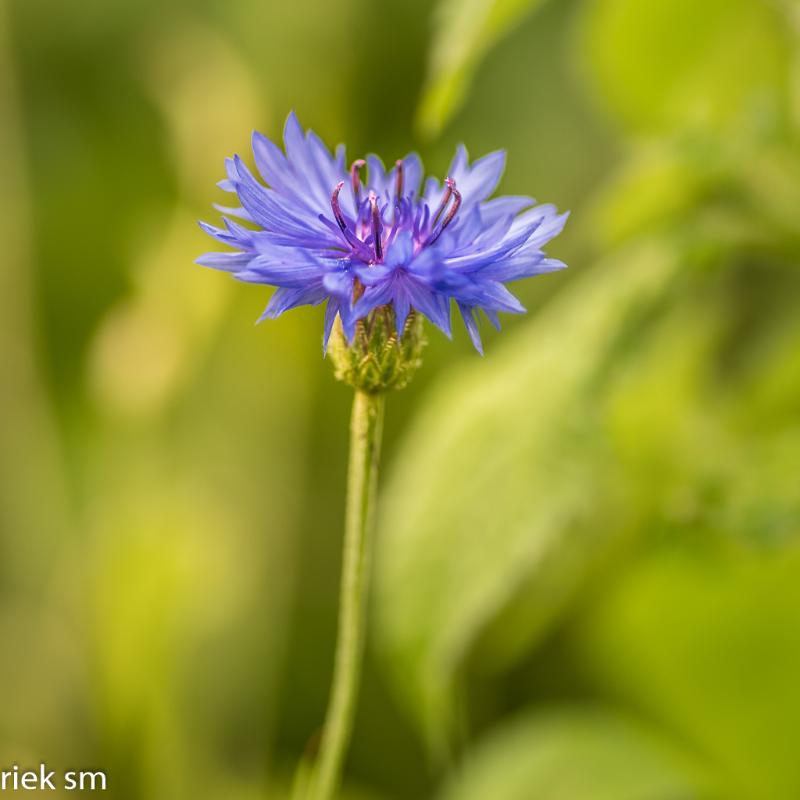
column 355, row 179
column 399, row 179
column 456, row 203
column 352, row 240
column 443, row 205
column 398, row 182
column 456, row 195
column 337, row 211
column 376, row 225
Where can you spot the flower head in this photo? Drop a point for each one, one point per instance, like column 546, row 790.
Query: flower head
column 363, row 238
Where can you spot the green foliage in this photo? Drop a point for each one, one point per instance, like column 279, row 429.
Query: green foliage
column 706, row 641
column 672, row 64
column 570, row 754
column 464, row 31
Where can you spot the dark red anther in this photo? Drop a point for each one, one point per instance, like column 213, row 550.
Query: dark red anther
column 355, row 180
column 398, row 180
column 451, row 191
column 352, row 240
column 451, row 184
column 337, row 211
column 445, row 200
column 376, row 225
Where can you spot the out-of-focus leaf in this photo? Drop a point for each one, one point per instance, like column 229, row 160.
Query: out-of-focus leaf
column 503, row 473
column 771, row 176
column 30, row 466
column 761, row 500
column 465, row 31
column 650, row 410
column 164, row 325
column 668, row 64
column 276, row 790
column 708, row 642
column 576, row 755
column 666, row 182
column 771, row 389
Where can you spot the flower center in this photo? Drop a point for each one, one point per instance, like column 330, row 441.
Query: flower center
column 365, row 234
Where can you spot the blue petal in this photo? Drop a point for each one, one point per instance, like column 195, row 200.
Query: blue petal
column 290, row 274
column 373, row 296
column 481, row 258
column 481, row 234
column 281, row 218
column 435, row 307
column 402, row 305
column 475, row 183
column 349, row 319
column 327, row 174
column 271, row 162
column 373, row 274
column 459, row 163
column 492, row 317
column 401, row 251
column 294, row 142
column 341, row 159
column 376, row 175
column 227, row 262
column 219, row 234
column 502, row 206
column 331, row 310
column 478, row 182
column 234, row 211
column 472, row 224
column 432, row 194
column 549, row 229
column 549, row 265
column 496, row 297
column 286, row 299
column 520, row 265
column 306, row 176
column 230, row 169
column 472, row 327
column 487, row 294
column 413, row 171
column 339, row 284
column 233, row 234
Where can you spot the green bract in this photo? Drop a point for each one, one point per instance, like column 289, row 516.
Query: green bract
column 378, row 360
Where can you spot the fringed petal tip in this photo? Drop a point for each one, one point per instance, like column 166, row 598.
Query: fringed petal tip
column 225, row 262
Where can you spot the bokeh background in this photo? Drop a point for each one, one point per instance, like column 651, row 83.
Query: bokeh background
column 587, row 582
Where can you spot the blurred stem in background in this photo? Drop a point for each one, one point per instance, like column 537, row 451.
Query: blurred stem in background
column 366, row 425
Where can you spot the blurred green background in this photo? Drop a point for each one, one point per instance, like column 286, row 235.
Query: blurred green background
column 587, row 583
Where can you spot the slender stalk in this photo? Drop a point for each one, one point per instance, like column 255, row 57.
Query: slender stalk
column 366, row 425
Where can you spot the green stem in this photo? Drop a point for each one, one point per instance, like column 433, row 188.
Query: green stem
column 366, row 426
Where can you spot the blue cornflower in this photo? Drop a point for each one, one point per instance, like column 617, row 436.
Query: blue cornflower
column 323, row 233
